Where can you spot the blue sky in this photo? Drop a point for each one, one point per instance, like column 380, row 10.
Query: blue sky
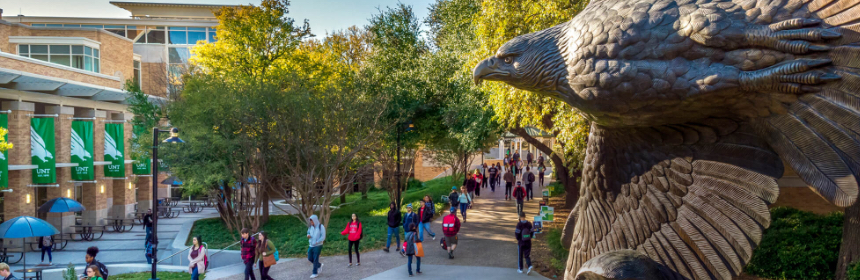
column 324, row 15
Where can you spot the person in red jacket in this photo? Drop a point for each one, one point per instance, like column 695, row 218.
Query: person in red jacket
column 249, row 246
column 519, row 194
column 450, row 227
column 353, row 232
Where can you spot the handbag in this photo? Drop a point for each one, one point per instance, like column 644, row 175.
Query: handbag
column 269, row 260
column 419, row 249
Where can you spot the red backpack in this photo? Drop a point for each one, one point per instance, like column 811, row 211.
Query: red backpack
column 448, row 223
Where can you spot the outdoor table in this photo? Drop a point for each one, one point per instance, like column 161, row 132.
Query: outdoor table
column 6, row 257
column 37, row 270
column 139, row 216
column 193, row 206
column 173, row 201
column 119, row 224
column 59, row 244
column 167, row 212
column 87, row 232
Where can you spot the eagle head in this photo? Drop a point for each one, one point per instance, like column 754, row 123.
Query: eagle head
column 532, row 62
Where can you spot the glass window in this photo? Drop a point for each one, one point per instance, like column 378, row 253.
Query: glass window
column 92, row 26
column 38, row 25
column 194, row 36
column 60, row 49
column 54, row 25
column 155, row 35
column 137, row 71
column 81, row 57
column 77, row 49
column 96, row 65
column 134, row 33
column 40, row 49
column 96, row 53
column 197, row 29
column 23, row 49
column 212, row 38
column 178, row 55
column 42, row 57
column 71, row 25
column 88, row 51
column 116, row 29
column 88, row 63
column 61, row 59
column 78, row 61
column 178, row 35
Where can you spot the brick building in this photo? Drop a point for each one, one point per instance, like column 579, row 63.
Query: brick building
column 69, row 68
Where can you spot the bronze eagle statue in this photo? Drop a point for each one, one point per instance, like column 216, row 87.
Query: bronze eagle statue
column 695, row 105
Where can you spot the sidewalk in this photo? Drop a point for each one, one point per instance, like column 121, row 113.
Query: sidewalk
column 487, row 250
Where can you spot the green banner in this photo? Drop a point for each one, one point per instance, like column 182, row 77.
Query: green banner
column 82, row 151
column 4, row 157
column 114, row 150
column 141, row 167
column 42, row 150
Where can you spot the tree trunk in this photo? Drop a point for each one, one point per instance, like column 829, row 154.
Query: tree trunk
column 849, row 252
column 265, row 218
column 571, row 187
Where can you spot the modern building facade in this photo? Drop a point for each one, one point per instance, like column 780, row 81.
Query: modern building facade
column 71, row 68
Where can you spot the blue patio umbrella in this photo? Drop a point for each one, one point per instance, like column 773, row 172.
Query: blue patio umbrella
column 61, row 205
column 23, row 227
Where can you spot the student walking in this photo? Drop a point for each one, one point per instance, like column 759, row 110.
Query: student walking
column 411, row 219
column 540, row 159
column 425, row 214
column 265, row 248
column 529, row 177
column 465, row 201
column 249, row 247
column 354, row 231
column 6, row 272
column 509, row 183
column 524, row 243
column 541, row 174
column 494, row 173
column 147, row 225
column 479, row 178
column 469, row 183
column 410, row 250
column 450, row 227
column 91, row 261
column 484, row 178
column 519, row 195
column 46, row 243
column 148, row 251
column 454, row 199
column 316, row 238
column 530, row 158
column 197, row 258
column 393, row 226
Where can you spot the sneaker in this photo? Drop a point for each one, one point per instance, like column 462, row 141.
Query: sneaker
column 386, row 250
column 434, row 237
column 410, row 275
column 419, row 272
column 450, row 255
column 529, row 271
column 520, row 270
column 358, row 264
column 402, row 254
column 350, row 265
column 319, row 270
column 313, row 276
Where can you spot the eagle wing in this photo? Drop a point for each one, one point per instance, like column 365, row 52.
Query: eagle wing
column 692, row 197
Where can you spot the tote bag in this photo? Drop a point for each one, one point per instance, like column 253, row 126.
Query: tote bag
column 419, row 249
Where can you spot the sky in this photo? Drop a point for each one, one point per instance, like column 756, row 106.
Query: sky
column 324, row 15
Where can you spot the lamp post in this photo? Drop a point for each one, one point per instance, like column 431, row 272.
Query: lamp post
column 174, row 138
column 408, row 127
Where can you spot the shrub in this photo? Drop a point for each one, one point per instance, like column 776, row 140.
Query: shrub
column 558, row 251
column 70, row 273
column 854, row 271
column 798, row 245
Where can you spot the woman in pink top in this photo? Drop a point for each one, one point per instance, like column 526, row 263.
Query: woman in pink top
column 353, row 234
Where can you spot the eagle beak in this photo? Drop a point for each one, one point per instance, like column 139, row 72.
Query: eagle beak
column 484, row 69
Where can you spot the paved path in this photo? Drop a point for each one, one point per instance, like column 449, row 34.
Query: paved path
column 487, row 250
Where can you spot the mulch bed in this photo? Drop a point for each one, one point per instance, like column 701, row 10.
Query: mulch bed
column 541, row 255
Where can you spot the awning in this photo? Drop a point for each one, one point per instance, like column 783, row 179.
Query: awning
column 25, row 81
column 171, row 181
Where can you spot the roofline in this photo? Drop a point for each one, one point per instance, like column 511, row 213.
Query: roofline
column 117, row 21
column 177, row 5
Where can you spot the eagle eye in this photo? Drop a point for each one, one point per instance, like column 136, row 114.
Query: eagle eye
column 508, row 59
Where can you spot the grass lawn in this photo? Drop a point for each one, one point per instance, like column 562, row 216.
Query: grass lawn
column 163, row 275
column 289, row 233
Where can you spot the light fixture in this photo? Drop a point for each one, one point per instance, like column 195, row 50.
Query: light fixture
column 129, row 185
column 103, row 189
column 69, row 193
column 174, row 136
column 28, row 198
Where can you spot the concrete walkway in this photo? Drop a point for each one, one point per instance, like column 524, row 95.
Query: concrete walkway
column 487, row 250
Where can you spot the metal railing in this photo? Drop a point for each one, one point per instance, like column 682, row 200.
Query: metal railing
column 231, row 245
column 205, row 245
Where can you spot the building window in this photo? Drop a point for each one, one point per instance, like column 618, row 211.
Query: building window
column 81, row 57
column 155, row 35
column 116, row 29
column 137, row 72
column 212, row 38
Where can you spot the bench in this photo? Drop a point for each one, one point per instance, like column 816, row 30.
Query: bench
column 167, row 212
column 6, row 257
column 119, row 224
column 59, row 244
column 88, row 232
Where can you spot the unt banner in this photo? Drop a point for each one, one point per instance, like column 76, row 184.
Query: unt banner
column 42, row 150
column 113, row 150
column 82, row 151
column 141, row 167
column 4, row 157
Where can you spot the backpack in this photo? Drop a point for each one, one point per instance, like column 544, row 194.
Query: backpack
column 448, row 224
column 526, row 234
column 443, row 244
column 206, row 258
column 531, row 177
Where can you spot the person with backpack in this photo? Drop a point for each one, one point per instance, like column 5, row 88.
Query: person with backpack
column 316, row 238
column 410, row 250
column 541, row 174
column 484, row 178
column 509, row 183
column 249, row 246
column 91, row 260
column 469, row 183
column 479, row 178
column 540, row 159
column 266, row 248
column 519, row 195
column 450, row 227
column 197, row 258
column 465, row 201
column 493, row 174
column 425, row 214
column 393, row 226
column 529, row 158
column 524, row 243
column 454, row 199
column 353, row 228
column 529, row 177
column 46, row 243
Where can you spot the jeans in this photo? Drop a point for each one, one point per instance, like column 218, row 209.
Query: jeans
column 148, row 259
column 148, row 234
column 422, row 227
column 264, row 271
column 47, row 249
column 409, row 264
column 463, row 207
column 349, row 248
column 540, row 179
column 493, row 184
column 524, row 251
column 519, row 206
column 508, row 187
column 393, row 231
column 529, row 193
column 314, row 257
column 194, row 274
column 249, row 270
